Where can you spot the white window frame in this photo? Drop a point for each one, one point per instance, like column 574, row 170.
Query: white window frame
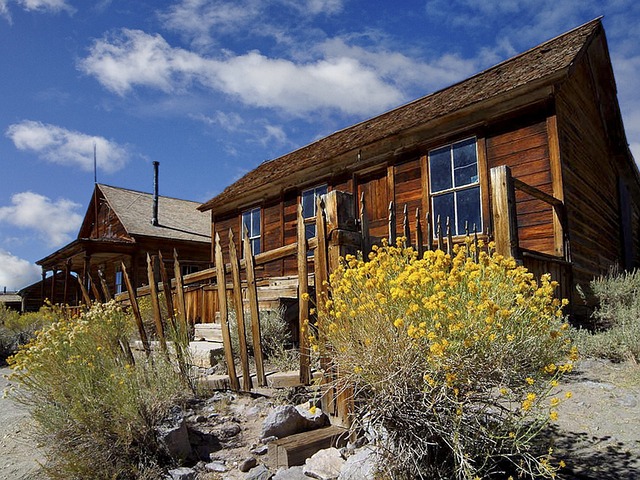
column 254, row 237
column 455, row 189
column 310, row 221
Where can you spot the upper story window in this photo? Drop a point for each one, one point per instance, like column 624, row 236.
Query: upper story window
column 455, row 186
column 251, row 221
column 309, row 207
column 118, row 280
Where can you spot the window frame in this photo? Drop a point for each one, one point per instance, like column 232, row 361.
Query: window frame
column 310, row 222
column 253, row 237
column 454, row 189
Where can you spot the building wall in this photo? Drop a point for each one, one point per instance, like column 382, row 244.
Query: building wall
column 596, row 171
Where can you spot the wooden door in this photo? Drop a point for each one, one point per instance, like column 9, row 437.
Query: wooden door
column 375, row 188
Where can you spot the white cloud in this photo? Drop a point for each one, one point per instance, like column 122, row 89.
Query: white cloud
column 66, row 147
column 135, row 58
column 228, row 121
column 16, row 272
column 55, row 222
column 46, row 5
column 274, row 133
column 197, row 18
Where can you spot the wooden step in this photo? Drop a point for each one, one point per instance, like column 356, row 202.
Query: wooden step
column 210, row 332
column 295, row 449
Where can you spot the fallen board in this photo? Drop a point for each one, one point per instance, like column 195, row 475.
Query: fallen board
column 295, row 449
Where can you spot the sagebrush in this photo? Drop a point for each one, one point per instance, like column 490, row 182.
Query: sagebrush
column 454, row 361
column 616, row 332
column 95, row 406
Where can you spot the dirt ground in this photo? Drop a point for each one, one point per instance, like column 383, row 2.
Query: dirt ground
column 597, row 433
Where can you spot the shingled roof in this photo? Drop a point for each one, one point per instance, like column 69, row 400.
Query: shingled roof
column 547, row 60
column 178, row 219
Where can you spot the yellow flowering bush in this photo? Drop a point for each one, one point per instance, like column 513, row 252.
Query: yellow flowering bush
column 95, row 408
column 454, row 360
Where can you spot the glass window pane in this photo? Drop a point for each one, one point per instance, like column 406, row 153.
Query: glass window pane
column 321, row 190
column 469, row 209
column 443, row 206
column 308, row 204
column 440, row 169
column 255, row 222
column 255, row 246
column 246, row 221
column 465, row 162
column 310, row 231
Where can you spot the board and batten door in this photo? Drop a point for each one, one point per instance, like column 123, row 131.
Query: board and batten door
column 375, row 188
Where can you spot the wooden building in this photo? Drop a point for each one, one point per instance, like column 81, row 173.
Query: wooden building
column 124, row 226
column 549, row 114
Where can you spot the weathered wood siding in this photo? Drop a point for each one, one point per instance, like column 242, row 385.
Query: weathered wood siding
column 592, row 170
column 524, row 147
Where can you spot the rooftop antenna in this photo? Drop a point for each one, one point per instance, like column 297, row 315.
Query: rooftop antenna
column 95, row 165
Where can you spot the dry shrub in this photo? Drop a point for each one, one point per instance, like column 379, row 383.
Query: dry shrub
column 616, row 334
column 453, row 361
column 95, row 411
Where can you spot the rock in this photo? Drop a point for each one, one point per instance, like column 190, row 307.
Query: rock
column 629, row 401
column 216, row 466
column 259, row 473
column 182, row 473
column 293, row 473
column 174, row 436
column 360, row 466
column 324, row 465
column 260, row 450
column 247, row 464
column 229, row 429
column 287, row 420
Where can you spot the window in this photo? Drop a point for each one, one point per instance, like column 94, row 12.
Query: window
column 188, row 269
column 309, row 206
column 119, row 280
column 455, row 186
column 251, row 221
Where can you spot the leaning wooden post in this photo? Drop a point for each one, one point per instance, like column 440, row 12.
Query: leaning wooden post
column 392, row 224
column 157, row 315
column 237, row 298
column 181, row 310
column 419, row 246
column 224, row 316
column 103, row 284
column 252, row 293
column 439, row 234
column 364, row 228
column 503, row 203
column 85, row 293
column 136, row 311
column 303, row 301
column 321, row 272
column 429, row 232
column 406, row 228
column 166, row 288
column 449, row 237
column 94, row 288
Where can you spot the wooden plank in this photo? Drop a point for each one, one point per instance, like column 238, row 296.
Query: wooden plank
column 321, row 271
column 535, row 192
column 419, row 245
column 166, row 288
column 295, row 449
column 303, row 300
column 406, row 229
column 252, row 293
column 560, row 236
column 136, row 310
column 83, row 289
column 237, row 298
column 392, row 224
column 224, row 315
column 94, row 287
column 155, row 304
column 504, row 216
column 103, row 283
column 181, row 309
column 364, row 227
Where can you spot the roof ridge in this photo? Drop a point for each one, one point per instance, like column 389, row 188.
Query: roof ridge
column 147, row 193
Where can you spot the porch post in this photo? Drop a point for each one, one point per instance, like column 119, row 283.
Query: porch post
column 503, row 202
column 343, row 235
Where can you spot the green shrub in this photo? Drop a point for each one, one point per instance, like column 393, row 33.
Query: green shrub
column 95, row 409
column 17, row 329
column 453, row 361
column 616, row 333
column 277, row 345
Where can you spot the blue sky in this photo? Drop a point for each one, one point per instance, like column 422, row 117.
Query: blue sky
column 211, row 88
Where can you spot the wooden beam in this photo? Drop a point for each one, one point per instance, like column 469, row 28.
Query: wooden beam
column 560, row 234
column 166, row 288
column 157, row 315
column 237, row 298
column 303, row 300
column 504, row 212
column 224, row 316
column 181, row 310
column 252, row 293
column 136, row 310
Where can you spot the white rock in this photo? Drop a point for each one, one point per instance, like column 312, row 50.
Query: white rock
column 324, row 464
